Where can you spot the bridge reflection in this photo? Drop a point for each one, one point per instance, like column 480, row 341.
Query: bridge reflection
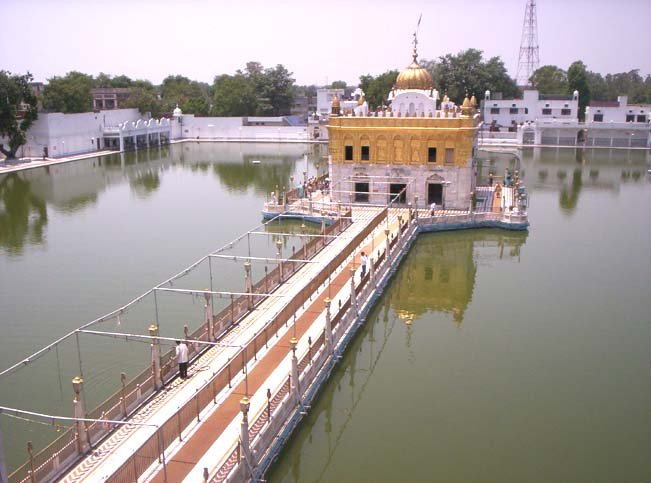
column 438, row 275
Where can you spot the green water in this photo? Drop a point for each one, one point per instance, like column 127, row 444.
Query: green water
column 493, row 356
column 80, row 239
column 497, row 356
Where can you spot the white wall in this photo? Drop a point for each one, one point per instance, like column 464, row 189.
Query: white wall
column 618, row 113
column 324, row 100
column 231, row 128
column 529, row 108
column 66, row 134
column 422, row 103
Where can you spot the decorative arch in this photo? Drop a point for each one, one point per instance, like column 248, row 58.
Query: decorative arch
column 347, row 141
column 382, row 154
column 398, row 149
column 365, row 141
column 415, row 155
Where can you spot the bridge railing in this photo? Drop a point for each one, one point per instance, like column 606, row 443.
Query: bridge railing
column 62, row 452
column 173, row 428
column 268, row 422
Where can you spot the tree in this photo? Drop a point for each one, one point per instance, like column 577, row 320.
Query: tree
column 191, row 96
column 376, row 89
column 338, row 85
column 68, row 94
column 598, row 87
column 279, row 90
column 144, row 100
column 106, row 81
column 467, row 73
column 233, row 96
column 577, row 80
column 18, row 110
column 549, row 79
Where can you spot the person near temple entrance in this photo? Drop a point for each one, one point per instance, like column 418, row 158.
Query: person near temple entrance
column 364, row 259
column 432, row 208
column 182, row 358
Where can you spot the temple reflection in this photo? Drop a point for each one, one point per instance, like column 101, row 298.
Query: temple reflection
column 439, row 273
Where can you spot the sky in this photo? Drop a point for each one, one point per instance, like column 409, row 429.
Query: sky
column 318, row 41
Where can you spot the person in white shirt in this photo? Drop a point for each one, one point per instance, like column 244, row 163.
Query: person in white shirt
column 364, row 263
column 432, row 209
column 182, row 358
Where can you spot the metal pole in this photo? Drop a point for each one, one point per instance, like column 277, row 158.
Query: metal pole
column 212, row 296
column 161, row 451
column 156, row 308
column 81, row 372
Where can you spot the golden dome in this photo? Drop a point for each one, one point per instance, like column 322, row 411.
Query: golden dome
column 414, row 77
column 335, row 102
column 473, row 101
column 360, row 101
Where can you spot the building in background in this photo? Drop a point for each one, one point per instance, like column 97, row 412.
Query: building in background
column 411, row 152
column 106, row 98
column 506, row 114
column 618, row 124
column 324, row 98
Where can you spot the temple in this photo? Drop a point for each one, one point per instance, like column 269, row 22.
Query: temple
column 416, row 150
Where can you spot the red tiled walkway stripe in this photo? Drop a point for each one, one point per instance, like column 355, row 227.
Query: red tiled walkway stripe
column 200, row 442
column 195, row 447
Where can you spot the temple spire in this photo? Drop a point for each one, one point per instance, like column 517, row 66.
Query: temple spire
column 415, row 41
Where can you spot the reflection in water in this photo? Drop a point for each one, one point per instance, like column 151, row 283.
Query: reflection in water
column 264, row 177
column 73, row 187
column 145, row 183
column 569, row 197
column 438, row 275
column 23, row 215
column 570, row 171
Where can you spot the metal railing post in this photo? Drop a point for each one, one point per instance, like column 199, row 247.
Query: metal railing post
column 293, row 342
column 161, row 452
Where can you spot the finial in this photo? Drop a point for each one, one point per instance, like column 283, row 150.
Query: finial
column 415, row 53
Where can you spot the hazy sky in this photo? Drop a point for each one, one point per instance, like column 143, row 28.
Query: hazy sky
column 318, row 41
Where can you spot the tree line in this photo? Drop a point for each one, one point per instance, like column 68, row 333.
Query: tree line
column 592, row 86
column 256, row 90
column 259, row 91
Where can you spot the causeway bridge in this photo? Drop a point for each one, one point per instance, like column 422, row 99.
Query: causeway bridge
column 256, row 364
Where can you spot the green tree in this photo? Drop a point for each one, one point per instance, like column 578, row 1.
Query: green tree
column 18, row 110
column 598, row 87
column 338, row 85
column 577, row 80
column 549, row 79
column 144, row 100
column 68, row 94
column 468, row 73
column 376, row 89
column 279, row 90
column 234, row 96
column 191, row 96
column 106, row 81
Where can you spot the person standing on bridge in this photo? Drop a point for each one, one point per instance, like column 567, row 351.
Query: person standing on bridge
column 182, row 358
column 364, row 259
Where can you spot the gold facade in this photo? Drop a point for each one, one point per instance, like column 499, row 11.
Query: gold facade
column 403, row 140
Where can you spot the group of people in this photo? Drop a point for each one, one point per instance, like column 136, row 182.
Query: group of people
column 313, row 184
